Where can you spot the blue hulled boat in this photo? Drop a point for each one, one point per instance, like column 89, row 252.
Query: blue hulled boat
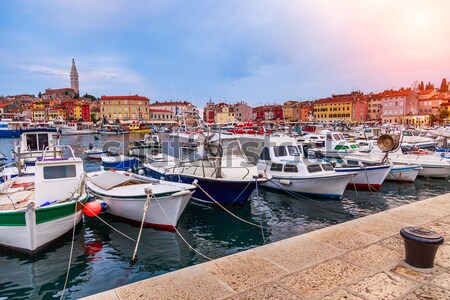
column 225, row 175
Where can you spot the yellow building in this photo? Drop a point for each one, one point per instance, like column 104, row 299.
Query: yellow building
column 224, row 114
column 125, row 108
column 292, row 111
column 39, row 110
column 333, row 109
column 56, row 113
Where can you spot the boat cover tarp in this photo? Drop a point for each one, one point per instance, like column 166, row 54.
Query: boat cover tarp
column 109, row 180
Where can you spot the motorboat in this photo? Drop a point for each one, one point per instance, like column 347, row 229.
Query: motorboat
column 73, row 128
column 370, row 171
column 221, row 169
column 119, row 162
column 432, row 165
column 32, row 143
column 404, row 173
column 111, row 129
column 37, row 209
column 291, row 172
column 149, row 144
column 140, row 128
column 95, row 153
column 126, row 193
column 12, row 129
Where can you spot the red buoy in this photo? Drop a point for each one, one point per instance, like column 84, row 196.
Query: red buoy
column 92, row 209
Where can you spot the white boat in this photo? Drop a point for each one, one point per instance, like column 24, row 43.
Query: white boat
column 223, row 172
column 95, row 153
column 404, row 173
column 73, row 128
column 32, row 143
column 148, row 145
column 370, row 171
column 291, row 172
column 432, row 166
column 125, row 195
column 36, row 210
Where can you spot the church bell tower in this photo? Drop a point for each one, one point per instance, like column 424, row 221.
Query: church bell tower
column 74, row 78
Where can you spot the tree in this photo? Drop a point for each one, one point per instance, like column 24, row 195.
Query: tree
column 93, row 119
column 93, row 98
column 39, row 95
column 429, row 86
column 117, row 121
column 421, row 87
column 104, row 121
column 432, row 119
column 444, row 86
column 443, row 114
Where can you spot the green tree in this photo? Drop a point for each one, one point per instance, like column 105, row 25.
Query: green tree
column 444, row 86
column 93, row 98
column 104, row 121
column 443, row 114
column 429, row 86
column 93, row 119
column 39, row 95
column 432, row 119
column 421, row 86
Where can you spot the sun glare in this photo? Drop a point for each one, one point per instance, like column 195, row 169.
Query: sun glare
column 421, row 19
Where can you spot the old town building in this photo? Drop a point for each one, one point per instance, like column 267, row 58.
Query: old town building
column 125, row 108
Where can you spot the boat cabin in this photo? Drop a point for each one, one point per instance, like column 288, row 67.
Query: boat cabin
column 57, row 178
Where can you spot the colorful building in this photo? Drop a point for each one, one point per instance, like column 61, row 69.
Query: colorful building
column 182, row 110
column 209, row 112
column 39, row 109
column 162, row 116
column 374, row 107
column 243, row 112
column 333, row 109
column 292, row 111
column 82, row 111
column 224, row 114
column 56, row 113
column 125, row 108
column 307, row 111
column 400, row 107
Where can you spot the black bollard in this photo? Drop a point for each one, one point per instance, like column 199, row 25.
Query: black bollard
column 421, row 246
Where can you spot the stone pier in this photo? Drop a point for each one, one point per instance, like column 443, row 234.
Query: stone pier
column 359, row 259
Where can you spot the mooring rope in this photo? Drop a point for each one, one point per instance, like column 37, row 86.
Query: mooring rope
column 71, row 251
column 125, row 235
column 260, row 214
column 224, row 208
column 309, row 200
column 181, row 236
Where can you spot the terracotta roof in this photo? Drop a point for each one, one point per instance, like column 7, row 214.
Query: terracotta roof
column 136, row 97
column 166, row 103
column 333, row 100
column 4, row 104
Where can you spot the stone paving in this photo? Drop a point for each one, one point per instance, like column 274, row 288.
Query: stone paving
column 360, row 259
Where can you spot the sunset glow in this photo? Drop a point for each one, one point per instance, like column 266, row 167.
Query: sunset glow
column 254, row 50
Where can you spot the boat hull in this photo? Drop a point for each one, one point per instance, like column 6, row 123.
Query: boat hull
column 403, row 173
column 332, row 187
column 119, row 164
column 236, row 192
column 370, row 178
column 162, row 213
column 32, row 230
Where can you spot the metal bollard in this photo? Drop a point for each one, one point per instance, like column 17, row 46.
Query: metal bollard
column 421, row 246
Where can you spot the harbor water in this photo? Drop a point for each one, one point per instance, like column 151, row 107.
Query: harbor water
column 102, row 250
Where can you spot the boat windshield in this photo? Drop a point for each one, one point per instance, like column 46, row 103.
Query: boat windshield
column 293, row 151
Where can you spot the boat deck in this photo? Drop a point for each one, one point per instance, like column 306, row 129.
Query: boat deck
column 360, row 259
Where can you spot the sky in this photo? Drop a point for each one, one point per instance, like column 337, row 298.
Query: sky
column 261, row 52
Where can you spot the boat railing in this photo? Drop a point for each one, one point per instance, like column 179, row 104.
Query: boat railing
column 61, row 148
column 2, row 168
